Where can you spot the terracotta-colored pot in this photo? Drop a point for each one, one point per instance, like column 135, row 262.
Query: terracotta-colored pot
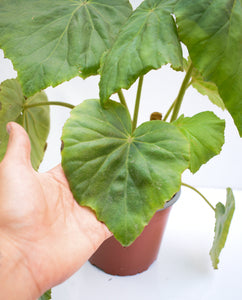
column 115, row 259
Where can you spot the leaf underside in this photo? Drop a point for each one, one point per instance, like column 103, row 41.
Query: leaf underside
column 125, row 177
column 53, row 41
column 35, row 120
column 205, row 133
column 206, row 88
column 223, row 216
column 212, row 32
column 209, row 89
column 147, row 41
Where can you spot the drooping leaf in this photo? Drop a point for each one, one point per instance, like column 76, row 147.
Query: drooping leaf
column 212, row 32
column 35, row 120
column 206, row 88
column 46, row 296
column 147, row 41
column 53, row 41
column 125, row 177
column 205, row 133
column 223, row 216
column 209, row 89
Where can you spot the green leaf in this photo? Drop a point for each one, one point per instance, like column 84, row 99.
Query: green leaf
column 206, row 88
column 223, row 216
column 46, row 296
column 125, row 177
column 209, row 89
column 205, row 133
column 35, row 120
column 53, row 41
column 147, row 41
column 212, row 32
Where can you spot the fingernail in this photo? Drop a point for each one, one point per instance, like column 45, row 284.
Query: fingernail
column 9, row 128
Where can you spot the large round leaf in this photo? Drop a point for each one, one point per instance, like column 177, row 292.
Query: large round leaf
column 53, row 41
column 125, row 177
column 35, row 120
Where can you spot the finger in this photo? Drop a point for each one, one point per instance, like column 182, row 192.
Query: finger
column 19, row 146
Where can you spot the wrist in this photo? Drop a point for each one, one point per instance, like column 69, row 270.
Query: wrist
column 16, row 280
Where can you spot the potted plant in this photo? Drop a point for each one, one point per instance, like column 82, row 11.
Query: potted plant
column 123, row 172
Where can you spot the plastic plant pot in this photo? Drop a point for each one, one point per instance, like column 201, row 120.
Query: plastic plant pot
column 114, row 259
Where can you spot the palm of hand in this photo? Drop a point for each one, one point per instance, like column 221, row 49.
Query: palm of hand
column 40, row 218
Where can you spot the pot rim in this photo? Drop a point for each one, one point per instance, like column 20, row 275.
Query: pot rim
column 172, row 200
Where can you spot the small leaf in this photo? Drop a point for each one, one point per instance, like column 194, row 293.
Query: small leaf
column 46, row 296
column 223, row 216
column 212, row 32
column 147, row 41
column 35, row 120
column 205, row 133
column 125, row 177
column 52, row 41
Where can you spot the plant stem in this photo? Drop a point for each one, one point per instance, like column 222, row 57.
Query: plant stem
column 169, row 111
column 122, row 99
column 181, row 93
column 200, row 194
column 68, row 105
column 137, row 103
column 190, row 83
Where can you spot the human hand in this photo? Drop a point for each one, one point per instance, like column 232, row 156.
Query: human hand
column 45, row 236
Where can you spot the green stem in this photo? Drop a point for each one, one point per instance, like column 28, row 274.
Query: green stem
column 68, row 105
column 189, row 84
column 137, row 103
column 169, row 111
column 122, row 99
column 181, row 93
column 200, row 194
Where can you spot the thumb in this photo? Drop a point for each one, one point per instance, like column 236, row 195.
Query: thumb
column 19, row 146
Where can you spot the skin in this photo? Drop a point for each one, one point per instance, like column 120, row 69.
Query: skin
column 45, row 236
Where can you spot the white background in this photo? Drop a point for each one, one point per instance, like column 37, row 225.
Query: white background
column 159, row 90
column 183, row 269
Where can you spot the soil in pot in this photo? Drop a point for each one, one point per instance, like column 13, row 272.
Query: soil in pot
column 114, row 259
